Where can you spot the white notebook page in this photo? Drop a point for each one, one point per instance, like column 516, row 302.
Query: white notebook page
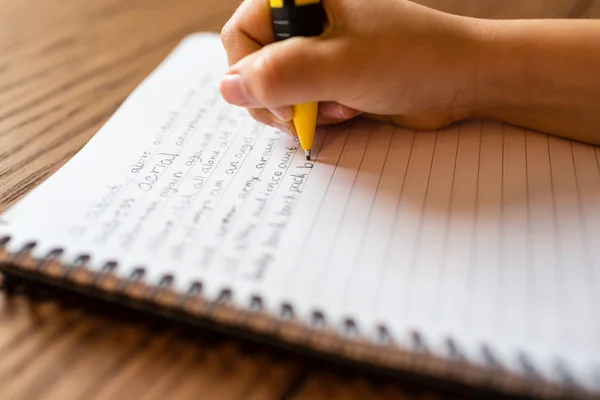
column 484, row 233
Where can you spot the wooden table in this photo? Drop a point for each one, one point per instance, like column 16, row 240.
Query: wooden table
column 65, row 66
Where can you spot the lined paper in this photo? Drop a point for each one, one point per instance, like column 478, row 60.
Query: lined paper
column 480, row 232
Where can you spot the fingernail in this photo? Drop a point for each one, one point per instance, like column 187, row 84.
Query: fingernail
column 289, row 130
column 285, row 113
column 234, row 91
column 282, row 128
column 338, row 111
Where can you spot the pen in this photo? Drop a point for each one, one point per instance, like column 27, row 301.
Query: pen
column 300, row 18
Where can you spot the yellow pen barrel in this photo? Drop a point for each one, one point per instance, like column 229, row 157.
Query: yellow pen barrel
column 305, row 121
column 306, row 18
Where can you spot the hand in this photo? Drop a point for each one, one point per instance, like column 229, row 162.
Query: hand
column 385, row 59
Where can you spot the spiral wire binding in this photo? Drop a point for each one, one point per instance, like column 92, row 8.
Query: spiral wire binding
column 381, row 350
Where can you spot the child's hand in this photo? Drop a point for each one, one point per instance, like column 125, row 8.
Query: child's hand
column 388, row 59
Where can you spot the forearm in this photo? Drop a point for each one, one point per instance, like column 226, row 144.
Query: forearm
column 541, row 74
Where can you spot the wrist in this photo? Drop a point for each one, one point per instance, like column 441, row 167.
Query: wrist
column 537, row 74
column 475, row 96
column 512, row 70
column 494, row 66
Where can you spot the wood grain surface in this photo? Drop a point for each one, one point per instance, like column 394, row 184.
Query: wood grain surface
column 65, row 66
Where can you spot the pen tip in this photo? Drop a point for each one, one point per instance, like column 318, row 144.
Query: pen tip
column 307, row 152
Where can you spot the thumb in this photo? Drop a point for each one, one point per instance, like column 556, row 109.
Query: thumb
column 285, row 73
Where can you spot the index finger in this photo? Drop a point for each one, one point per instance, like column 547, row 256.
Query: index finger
column 248, row 30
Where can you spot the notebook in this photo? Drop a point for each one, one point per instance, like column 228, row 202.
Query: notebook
column 468, row 255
